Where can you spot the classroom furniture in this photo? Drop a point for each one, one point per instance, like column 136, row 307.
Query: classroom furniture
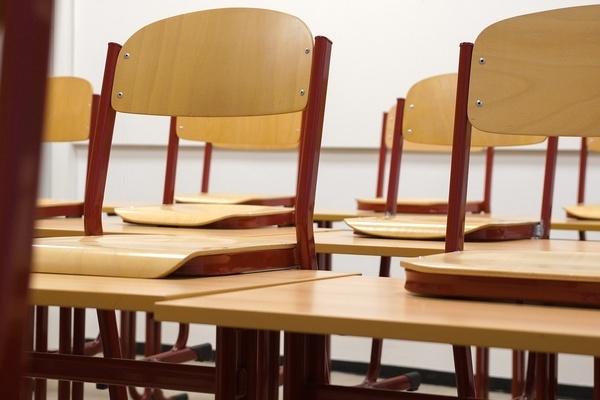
column 26, row 27
column 373, row 306
column 70, row 116
column 140, row 294
column 238, row 80
column 492, row 74
column 262, row 133
column 439, row 90
column 426, row 117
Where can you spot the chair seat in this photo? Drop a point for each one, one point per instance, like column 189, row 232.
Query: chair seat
column 539, row 276
column 419, row 226
column 584, row 211
column 416, row 206
column 141, row 256
column 195, row 215
column 232, row 198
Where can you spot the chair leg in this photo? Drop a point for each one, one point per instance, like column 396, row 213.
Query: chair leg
column 596, row 378
column 482, row 374
column 463, row 365
column 109, row 335
column 518, row 373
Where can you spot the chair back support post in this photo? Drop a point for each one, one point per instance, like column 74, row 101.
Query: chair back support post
column 309, row 153
column 457, row 196
column 548, row 190
column 208, row 149
column 382, row 158
column 487, row 183
column 583, row 156
column 100, row 148
column 171, row 168
column 396, row 159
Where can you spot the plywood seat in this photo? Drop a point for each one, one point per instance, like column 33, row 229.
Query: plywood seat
column 419, row 226
column 537, row 276
column 211, row 215
column 584, row 211
column 150, row 256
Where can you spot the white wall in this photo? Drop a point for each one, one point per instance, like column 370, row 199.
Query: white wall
column 380, row 48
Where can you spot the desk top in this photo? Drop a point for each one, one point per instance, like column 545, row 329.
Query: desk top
column 574, row 224
column 346, row 242
column 134, row 294
column 114, row 225
column 380, row 307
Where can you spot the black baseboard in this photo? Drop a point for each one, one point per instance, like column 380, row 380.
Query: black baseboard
column 430, row 377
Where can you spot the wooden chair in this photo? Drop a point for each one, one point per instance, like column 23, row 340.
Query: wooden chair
column 26, row 31
column 262, row 133
column 582, row 210
column 200, row 64
column 419, row 119
column 423, row 205
column 69, row 117
column 525, row 75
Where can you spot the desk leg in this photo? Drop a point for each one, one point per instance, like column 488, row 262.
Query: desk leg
column 463, row 365
column 306, row 363
column 247, row 364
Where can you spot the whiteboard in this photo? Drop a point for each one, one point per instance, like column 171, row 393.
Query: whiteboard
column 380, row 47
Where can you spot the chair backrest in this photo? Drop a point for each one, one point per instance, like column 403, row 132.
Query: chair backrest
column 528, row 75
column 271, row 132
column 69, row 116
column 229, row 62
column 69, row 106
column 427, row 123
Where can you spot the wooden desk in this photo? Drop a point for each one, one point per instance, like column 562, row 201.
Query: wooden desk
column 378, row 307
column 330, row 216
column 574, row 224
column 114, row 225
column 131, row 294
column 347, row 242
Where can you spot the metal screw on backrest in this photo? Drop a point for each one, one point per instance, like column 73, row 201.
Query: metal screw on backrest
column 482, row 61
column 409, row 131
column 307, row 50
column 126, row 55
column 120, row 94
column 479, row 103
column 302, row 92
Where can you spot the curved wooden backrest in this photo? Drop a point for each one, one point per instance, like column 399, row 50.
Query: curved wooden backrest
column 271, row 132
column 544, row 82
column 429, row 116
column 68, row 111
column 258, row 64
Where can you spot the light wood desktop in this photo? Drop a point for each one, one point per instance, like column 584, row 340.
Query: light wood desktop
column 376, row 307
